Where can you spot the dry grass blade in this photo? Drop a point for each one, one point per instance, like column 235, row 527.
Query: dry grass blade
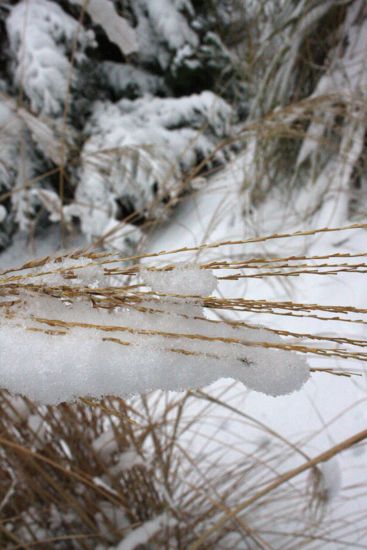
column 62, row 279
column 323, row 457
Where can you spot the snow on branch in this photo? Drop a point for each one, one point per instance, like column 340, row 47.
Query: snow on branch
column 116, row 27
column 41, row 37
column 138, row 154
column 71, row 328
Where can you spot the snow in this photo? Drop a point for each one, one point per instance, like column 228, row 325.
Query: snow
column 170, row 24
column 116, row 27
column 130, row 80
column 167, row 343
column 160, row 24
column 19, row 128
column 41, row 35
column 127, row 460
column 109, row 514
column 139, row 151
column 17, row 409
column 142, row 534
column 105, row 445
column 108, row 450
column 66, row 270
column 42, row 133
column 10, row 128
column 2, row 213
column 121, row 236
column 181, row 279
column 37, row 425
column 331, row 478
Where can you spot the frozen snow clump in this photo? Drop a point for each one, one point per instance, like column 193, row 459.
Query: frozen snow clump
column 67, row 330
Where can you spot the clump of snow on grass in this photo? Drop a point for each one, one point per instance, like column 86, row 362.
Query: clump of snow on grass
column 142, row 534
column 51, row 351
column 282, row 375
column 70, row 271
column 186, row 279
column 108, row 450
column 105, row 445
column 126, row 460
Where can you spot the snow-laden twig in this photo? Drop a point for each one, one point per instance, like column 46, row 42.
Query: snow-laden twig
column 116, row 27
column 92, row 336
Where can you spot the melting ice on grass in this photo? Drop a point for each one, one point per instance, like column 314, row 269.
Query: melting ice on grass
column 164, row 343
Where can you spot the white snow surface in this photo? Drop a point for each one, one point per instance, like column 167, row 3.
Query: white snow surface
column 168, row 344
